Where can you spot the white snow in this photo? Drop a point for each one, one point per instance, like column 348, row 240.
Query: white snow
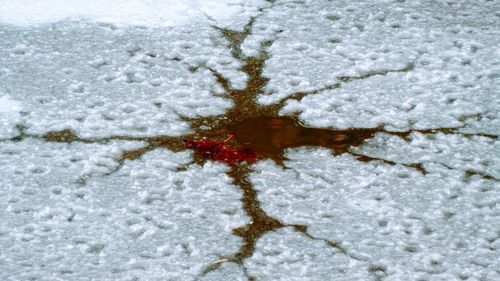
column 123, row 12
column 143, row 222
column 70, row 211
column 285, row 255
column 474, row 154
column 452, row 48
column 104, row 80
column 440, row 225
column 9, row 115
column 8, row 105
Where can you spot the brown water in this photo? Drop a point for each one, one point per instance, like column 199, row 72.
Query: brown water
column 270, row 136
column 256, row 127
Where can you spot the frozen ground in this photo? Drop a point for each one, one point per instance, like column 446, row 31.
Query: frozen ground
column 428, row 209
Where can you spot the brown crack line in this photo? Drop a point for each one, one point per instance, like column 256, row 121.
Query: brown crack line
column 298, row 96
column 260, row 128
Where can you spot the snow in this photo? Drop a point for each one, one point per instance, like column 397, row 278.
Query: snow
column 9, row 115
column 427, row 210
column 227, row 271
column 165, row 13
column 138, row 223
column 291, row 254
column 440, row 225
column 8, row 105
column 452, row 48
column 474, row 154
column 104, row 80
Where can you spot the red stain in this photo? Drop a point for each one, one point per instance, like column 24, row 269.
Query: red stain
column 221, row 151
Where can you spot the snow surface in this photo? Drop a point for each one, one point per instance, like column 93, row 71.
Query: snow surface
column 70, row 211
column 144, row 222
column 9, row 114
column 439, row 226
column 452, row 47
column 288, row 255
column 99, row 80
column 8, row 105
column 165, row 13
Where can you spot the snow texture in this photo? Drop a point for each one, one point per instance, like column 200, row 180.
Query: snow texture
column 472, row 154
column 165, row 13
column 288, row 255
column 9, row 114
column 401, row 223
column 100, row 80
column 451, row 47
column 144, row 222
column 8, row 105
column 428, row 210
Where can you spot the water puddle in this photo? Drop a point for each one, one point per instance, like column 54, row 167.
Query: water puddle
column 270, row 136
column 255, row 127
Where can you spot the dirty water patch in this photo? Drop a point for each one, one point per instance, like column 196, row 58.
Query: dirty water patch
column 271, row 136
column 260, row 128
column 260, row 222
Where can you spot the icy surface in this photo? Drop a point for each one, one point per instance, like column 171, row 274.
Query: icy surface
column 441, row 225
column 426, row 210
column 144, row 222
column 165, row 13
column 9, row 114
column 101, row 80
column 227, row 271
column 288, row 255
column 8, row 105
column 451, row 47
column 472, row 154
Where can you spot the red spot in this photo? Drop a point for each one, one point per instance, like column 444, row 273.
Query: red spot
column 222, row 151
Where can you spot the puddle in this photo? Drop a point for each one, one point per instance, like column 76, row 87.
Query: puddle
column 270, row 136
column 258, row 128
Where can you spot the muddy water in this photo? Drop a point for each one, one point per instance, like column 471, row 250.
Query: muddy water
column 270, row 136
column 253, row 126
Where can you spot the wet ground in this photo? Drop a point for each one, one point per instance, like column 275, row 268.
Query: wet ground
column 382, row 189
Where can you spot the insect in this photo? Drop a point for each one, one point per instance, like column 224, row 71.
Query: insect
column 222, row 151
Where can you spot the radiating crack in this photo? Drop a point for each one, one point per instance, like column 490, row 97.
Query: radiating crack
column 268, row 134
column 365, row 158
column 469, row 173
column 331, row 243
column 236, row 38
column 260, row 222
column 298, row 96
column 260, row 128
column 174, row 144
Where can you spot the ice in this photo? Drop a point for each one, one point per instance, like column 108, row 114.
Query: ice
column 409, row 224
column 439, row 61
column 227, row 271
column 9, row 115
column 399, row 105
column 421, row 204
column 473, row 154
column 145, row 221
column 8, row 105
column 164, row 13
column 101, row 80
column 297, row 257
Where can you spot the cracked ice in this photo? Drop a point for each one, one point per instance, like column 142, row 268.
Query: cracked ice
column 94, row 107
